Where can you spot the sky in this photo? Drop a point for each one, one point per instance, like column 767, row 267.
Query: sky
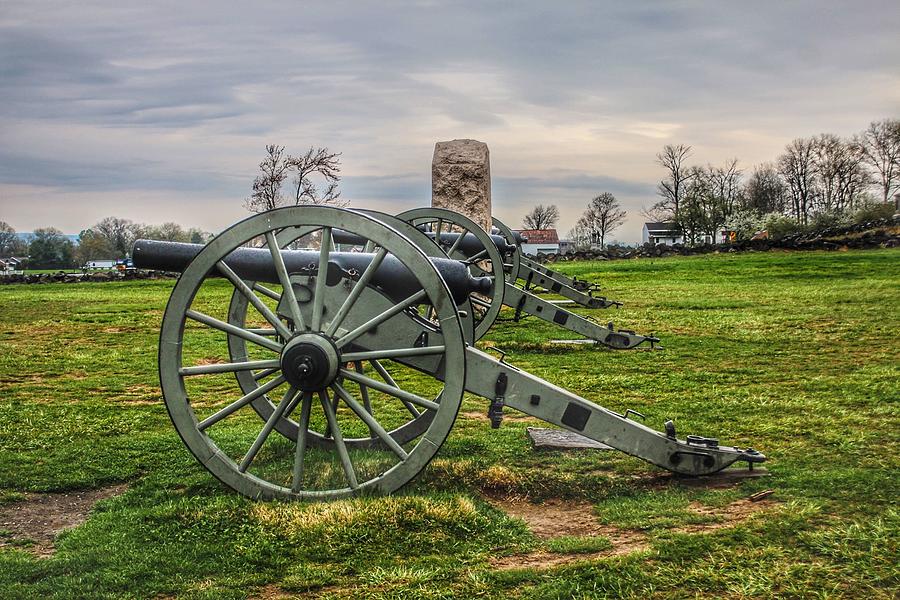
column 160, row 111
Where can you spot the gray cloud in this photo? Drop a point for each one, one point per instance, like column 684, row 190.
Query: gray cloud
column 573, row 98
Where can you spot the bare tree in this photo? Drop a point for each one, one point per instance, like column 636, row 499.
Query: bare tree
column 170, row 232
column 671, row 189
column 541, row 217
column 839, row 171
column 277, row 167
column 725, row 183
column 92, row 246
column 603, row 216
column 880, row 145
column 323, row 163
column 8, row 239
column 797, row 166
column 765, row 191
column 118, row 233
column 580, row 235
column 704, row 208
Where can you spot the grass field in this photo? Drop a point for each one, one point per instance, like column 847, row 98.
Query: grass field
column 792, row 353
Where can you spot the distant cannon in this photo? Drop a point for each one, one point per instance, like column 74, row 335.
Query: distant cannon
column 469, row 243
column 361, row 387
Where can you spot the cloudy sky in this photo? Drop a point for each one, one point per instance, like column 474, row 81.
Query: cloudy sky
column 159, row 111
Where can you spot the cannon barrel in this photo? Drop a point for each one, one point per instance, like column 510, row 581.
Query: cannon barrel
column 255, row 264
column 469, row 246
column 518, row 238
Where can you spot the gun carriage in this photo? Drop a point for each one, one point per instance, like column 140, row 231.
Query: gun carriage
column 485, row 257
column 532, row 273
column 354, row 362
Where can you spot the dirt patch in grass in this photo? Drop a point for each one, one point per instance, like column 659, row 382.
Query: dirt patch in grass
column 140, row 395
column 271, row 592
column 563, row 518
column 34, row 522
column 481, row 415
column 548, row 560
column 553, row 518
column 557, row 518
column 730, row 515
column 211, row 360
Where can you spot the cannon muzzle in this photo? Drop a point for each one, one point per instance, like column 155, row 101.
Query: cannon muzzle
column 255, row 264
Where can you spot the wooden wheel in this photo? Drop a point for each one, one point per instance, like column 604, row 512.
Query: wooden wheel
column 447, row 230
column 304, row 350
column 515, row 258
column 265, row 405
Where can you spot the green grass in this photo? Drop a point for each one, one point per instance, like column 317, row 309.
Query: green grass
column 792, row 353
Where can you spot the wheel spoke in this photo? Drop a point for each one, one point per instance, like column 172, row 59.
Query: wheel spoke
column 265, row 373
column 283, row 409
column 321, row 277
column 356, row 291
column 284, row 278
column 338, row 440
column 303, row 428
column 391, row 353
column 258, row 287
column 378, row 319
column 382, row 372
column 262, row 331
column 251, row 365
column 244, row 289
column 370, row 421
column 457, row 242
column 388, row 389
column 364, row 392
column 233, row 330
column 240, row 402
column 475, row 258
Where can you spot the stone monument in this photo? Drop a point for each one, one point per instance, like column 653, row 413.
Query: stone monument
column 461, row 179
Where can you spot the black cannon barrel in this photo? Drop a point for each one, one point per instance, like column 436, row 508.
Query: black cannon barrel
column 392, row 276
column 469, row 246
column 518, row 238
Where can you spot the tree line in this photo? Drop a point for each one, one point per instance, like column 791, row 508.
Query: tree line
column 602, row 216
column 111, row 238
column 816, row 182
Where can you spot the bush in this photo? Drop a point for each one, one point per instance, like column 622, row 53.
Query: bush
column 745, row 223
column 829, row 219
column 873, row 212
column 779, row 226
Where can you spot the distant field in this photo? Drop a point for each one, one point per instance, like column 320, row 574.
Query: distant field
column 792, row 353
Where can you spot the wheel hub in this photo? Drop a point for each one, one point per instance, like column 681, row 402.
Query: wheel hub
column 310, row 362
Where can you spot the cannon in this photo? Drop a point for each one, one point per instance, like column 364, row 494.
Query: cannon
column 352, row 390
column 532, row 273
column 467, row 242
column 508, row 243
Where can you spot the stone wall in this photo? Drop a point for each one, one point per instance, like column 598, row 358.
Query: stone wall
column 461, row 179
column 101, row 277
column 877, row 234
